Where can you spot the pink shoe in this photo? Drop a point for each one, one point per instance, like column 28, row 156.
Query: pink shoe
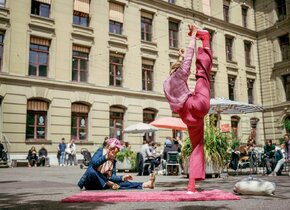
column 202, row 34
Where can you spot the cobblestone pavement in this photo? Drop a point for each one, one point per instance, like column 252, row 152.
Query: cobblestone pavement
column 44, row 187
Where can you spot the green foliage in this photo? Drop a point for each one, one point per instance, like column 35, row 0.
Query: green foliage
column 286, row 125
column 127, row 154
column 215, row 144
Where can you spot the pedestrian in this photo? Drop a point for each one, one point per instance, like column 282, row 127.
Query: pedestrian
column 61, row 151
column 192, row 106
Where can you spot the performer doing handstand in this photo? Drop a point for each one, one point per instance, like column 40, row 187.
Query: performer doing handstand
column 192, row 106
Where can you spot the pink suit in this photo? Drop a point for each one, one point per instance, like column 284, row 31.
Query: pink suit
column 192, row 106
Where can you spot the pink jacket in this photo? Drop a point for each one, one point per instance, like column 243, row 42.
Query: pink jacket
column 175, row 86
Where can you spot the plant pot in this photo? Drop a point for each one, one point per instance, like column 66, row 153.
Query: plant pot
column 125, row 165
column 210, row 169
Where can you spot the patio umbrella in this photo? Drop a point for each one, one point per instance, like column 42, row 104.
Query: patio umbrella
column 140, row 128
column 169, row 122
column 226, row 106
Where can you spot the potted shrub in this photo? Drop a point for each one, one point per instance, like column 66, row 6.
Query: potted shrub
column 215, row 148
column 126, row 160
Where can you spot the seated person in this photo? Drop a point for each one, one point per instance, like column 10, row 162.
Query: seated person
column 269, row 151
column 42, row 155
column 32, row 157
column 101, row 173
column 148, row 156
column 280, row 158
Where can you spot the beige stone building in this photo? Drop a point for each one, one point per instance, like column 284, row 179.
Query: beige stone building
column 86, row 69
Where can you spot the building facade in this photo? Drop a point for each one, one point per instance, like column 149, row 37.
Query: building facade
column 86, row 69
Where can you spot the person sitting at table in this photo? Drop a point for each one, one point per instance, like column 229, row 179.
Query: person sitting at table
column 101, row 173
column 269, row 151
column 148, row 156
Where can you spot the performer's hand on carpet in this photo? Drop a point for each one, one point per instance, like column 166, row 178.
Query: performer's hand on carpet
column 127, row 177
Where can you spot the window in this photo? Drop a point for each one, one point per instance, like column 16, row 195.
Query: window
column 40, row 7
column 229, row 48
column 226, row 9
column 36, row 120
column 80, row 62
column 284, row 47
column 79, row 121
column 244, row 16
column 235, row 125
column 231, row 86
column 116, row 18
column 116, row 69
column 173, row 34
column 281, row 9
column 116, row 122
column 147, row 74
column 81, row 12
column 247, row 48
column 286, row 81
column 38, row 57
column 212, row 89
column 172, row 1
column 1, row 50
column 146, row 27
column 2, row 3
column 250, row 87
column 148, row 117
column 211, row 39
column 176, row 133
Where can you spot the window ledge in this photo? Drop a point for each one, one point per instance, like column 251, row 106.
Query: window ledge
column 83, row 29
column 232, row 62
column 42, row 20
column 79, row 142
column 281, row 64
column 149, row 46
column 251, row 67
column 4, row 15
column 32, row 141
column 118, row 39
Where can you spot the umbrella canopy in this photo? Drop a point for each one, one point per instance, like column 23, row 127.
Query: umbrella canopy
column 169, row 122
column 226, row 106
column 140, row 128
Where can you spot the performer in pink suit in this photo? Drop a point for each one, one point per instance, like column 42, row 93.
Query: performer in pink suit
column 192, row 106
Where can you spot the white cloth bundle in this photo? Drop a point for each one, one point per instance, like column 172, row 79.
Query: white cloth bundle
column 253, row 186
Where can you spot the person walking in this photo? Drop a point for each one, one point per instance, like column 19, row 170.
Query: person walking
column 61, row 150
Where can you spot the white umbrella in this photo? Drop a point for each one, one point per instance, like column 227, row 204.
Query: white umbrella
column 140, row 128
column 226, row 106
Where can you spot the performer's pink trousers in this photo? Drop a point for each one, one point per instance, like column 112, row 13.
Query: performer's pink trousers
column 194, row 109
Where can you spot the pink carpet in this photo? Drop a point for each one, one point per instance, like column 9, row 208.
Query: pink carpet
column 148, row 196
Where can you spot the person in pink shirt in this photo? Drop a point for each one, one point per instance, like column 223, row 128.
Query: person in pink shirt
column 192, row 106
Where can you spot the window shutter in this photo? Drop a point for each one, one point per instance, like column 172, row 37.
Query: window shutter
column 148, row 62
column 146, row 15
column 116, row 12
column 36, row 105
column 81, row 49
column 117, row 55
column 116, row 109
column 82, row 6
column 45, row 1
column 38, row 40
column 80, row 108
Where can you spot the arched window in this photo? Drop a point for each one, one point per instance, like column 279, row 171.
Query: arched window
column 116, row 122
column 176, row 133
column 36, row 120
column 235, row 125
column 148, row 116
column 79, row 121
